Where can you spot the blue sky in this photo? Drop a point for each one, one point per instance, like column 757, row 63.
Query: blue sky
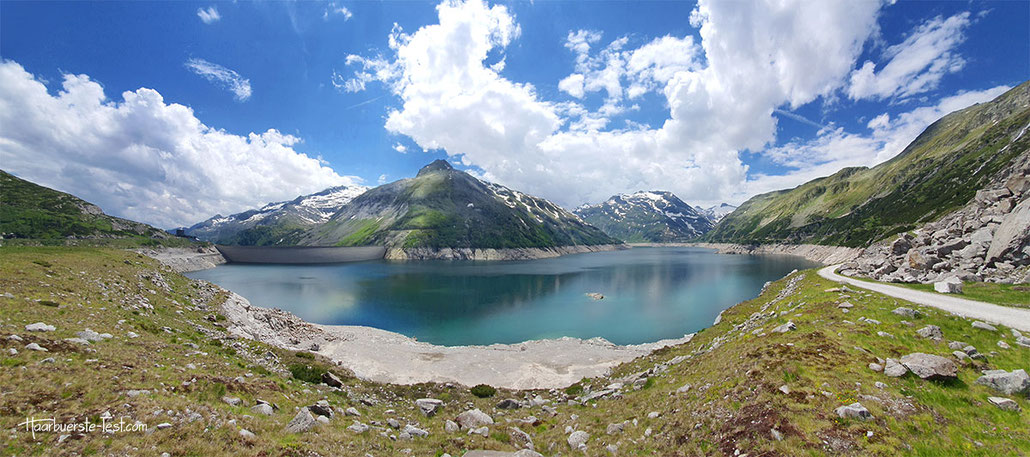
column 571, row 101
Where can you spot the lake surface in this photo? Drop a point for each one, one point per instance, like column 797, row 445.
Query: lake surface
column 649, row 294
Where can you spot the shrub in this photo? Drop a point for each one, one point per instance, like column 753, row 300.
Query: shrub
column 483, row 391
column 307, row 373
column 306, row 355
column 575, row 389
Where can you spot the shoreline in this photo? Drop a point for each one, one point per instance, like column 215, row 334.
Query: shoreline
column 387, row 357
column 826, row 255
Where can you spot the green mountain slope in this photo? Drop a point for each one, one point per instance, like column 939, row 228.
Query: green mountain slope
column 31, row 211
column 446, row 208
column 939, row 172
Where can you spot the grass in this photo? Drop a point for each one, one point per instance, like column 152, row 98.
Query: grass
column 733, row 404
column 1015, row 295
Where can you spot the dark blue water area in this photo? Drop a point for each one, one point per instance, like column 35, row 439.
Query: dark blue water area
column 649, row 294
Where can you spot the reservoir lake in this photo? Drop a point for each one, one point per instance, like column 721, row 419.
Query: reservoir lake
column 650, row 294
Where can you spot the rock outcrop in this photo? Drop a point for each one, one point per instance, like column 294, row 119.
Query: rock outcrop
column 987, row 240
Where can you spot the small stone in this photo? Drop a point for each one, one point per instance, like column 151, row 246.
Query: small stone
column 784, row 389
column 358, row 427
column 474, row 418
column 962, row 356
column 450, row 426
column 884, row 335
column 615, row 428
column 1003, row 345
column 329, row 379
column 246, row 434
column 164, row 425
column 984, row 326
column 302, row 422
column 136, row 393
column 876, row 367
column 352, row 411
column 906, row 312
column 263, row 408
column 855, row 411
column 484, row 431
column 35, row 347
column 932, row 332
column 415, row 431
column 957, row 345
column 132, row 335
column 1003, row 403
column 578, row 439
column 428, row 406
column 653, row 415
column 894, row 369
column 776, row 434
column 508, row 403
column 39, row 327
column 785, row 328
column 231, row 401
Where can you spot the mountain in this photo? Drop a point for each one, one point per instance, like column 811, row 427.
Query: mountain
column 940, row 171
column 716, row 213
column 647, row 217
column 446, row 208
column 276, row 220
column 28, row 210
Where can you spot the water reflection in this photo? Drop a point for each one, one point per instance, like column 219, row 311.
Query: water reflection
column 650, row 294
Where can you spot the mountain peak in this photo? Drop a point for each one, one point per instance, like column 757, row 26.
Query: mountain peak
column 437, row 165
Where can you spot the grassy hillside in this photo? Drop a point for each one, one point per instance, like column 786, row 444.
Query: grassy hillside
column 181, row 357
column 447, row 208
column 36, row 214
column 939, row 172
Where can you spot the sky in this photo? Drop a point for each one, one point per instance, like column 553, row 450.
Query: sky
column 171, row 112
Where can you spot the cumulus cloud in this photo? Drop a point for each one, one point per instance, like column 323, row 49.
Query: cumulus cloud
column 142, row 158
column 754, row 57
column 209, row 15
column 232, row 81
column 334, row 9
column 833, row 148
column 400, row 148
column 915, row 65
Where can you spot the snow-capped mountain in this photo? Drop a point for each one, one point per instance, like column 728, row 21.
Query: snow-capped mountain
column 716, row 213
column 302, row 211
column 647, row 216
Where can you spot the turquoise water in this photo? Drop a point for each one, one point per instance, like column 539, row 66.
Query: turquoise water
column 649, row 294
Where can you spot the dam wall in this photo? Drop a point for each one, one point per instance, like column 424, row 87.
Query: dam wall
column 300, row 254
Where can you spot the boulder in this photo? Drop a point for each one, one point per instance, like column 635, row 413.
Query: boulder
column 900, row 246
column 578, row 439
column 358, row 427
column 951, row 285
column 39, row 327
column 231, row 401
column 1011, row 234
column 263, row 408
column 1006, row 404
column 302, row 422
column 35, row 347
column 932, row 332
column 984, row 326
column 451, row 426
column 90, row 335
column 428, row 406
column 929, row 366
column 1008, row 383
column 352, row 411
column 894, row 369
column 331, row 380
column 785, row 328
column 906, row 312
column 854, row 411
column 415, row 431
column 484, row 431
column 508, row 403
column 322, row 408
column 473, row 418
column 916, row 260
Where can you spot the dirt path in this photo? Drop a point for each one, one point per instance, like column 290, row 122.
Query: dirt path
column 972, row 309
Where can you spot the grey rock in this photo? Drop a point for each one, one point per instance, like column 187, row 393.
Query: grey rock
column 508, row 403
column 1011, row 233
column 393, row 423
column 484, row 431
column 473, row 418
column 451, row 426
column 948, row 286
column 231, row 401
column 785, row 328
column 90, row 335
column 932, row 332
column 962, row 356
column 322, row 408
column 578, row 439
column 77, row 341
column 854, row 411
column 246, row 434
column 40, row 327
column 957, row 345
column 615, row 428
column 929, row 366
column 984, row 326
column 415, row 431
column 1008, row 383
column 906, row 312
column 352, row 411
column 164, row 425
column 35, row 347
column 263, row 408
column 358, row 427
column 331, row 380
column 894, row 369
column 302, row 422
column 876, row 367
column 1003, row 403
column 776, row 434
column 429, row 406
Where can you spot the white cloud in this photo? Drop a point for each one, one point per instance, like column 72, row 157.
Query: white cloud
column 381, row 180
column 334, row 8
column 400, row 148
column 209, row 15
column 833, row 148
column 238, row 85
column 753, row 58
column 917, row 64
column 142, row 158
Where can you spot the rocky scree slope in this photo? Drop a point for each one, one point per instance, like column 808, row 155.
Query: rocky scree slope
column 275, row 223
column 936, row 174
column 31, row 211
column 647, row 217
column 443, row 208
column 987, row 240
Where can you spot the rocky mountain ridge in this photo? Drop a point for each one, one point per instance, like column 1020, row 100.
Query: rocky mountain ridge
column 303, row 211
column 647, row 216
column 717, row 212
